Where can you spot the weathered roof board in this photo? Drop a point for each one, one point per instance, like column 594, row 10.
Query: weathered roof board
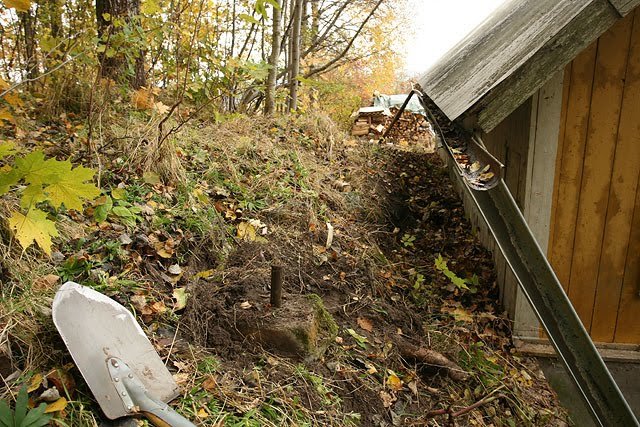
column 592, row 21
column 624, row 6
column 514, row 52
column 490, row 53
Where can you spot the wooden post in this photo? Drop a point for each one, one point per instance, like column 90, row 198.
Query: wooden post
column 276, row 286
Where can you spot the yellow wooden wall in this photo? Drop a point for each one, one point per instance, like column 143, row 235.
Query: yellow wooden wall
column 595, row 218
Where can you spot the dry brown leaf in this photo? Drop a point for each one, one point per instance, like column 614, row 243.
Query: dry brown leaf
column 158, row 307
column 387, row 399
column 181, row 378
column 46, row 282
column 486, row 176
column 19, row 5
column 61, row 379
column 210, row 384
column 462, row 315
column 160, row 108
column 143, row 99
column 365, row 324
column 139, row 302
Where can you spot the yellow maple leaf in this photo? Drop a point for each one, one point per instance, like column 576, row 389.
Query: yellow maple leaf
column 71, row 188
column 34, row 226
column 19, row 5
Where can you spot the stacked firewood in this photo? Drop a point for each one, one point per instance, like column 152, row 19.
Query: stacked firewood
column 369, row 120
column 410, row 127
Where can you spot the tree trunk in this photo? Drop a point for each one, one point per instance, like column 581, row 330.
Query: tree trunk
column 27, row 22
column 114, row 64
column 270, row 102
column 315, row 22
column 295, row 56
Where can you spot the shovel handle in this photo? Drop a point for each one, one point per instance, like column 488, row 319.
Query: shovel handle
column 169, row 418
column 129, row 387
column 159, row 413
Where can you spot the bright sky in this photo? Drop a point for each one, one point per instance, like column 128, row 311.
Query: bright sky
column 437, row 25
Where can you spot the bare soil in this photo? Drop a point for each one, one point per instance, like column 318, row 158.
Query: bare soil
column 379, row 281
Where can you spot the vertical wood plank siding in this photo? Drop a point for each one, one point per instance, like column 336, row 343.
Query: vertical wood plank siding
column 594, row 246
column 602, row 135
column 569, row 176
column 628, row 322
column 624, row 181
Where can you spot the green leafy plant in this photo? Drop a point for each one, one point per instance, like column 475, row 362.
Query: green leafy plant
column 418, row 289
column 458, row 282
column 117, row 205
column 39, row 180
column 407, row 240
column 22, row 416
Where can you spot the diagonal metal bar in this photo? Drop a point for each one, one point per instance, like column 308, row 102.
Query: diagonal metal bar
column 549, row 301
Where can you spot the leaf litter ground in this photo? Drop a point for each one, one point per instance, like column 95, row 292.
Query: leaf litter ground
column 421, row 337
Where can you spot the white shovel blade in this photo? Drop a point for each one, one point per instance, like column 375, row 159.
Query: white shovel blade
column 94, row 328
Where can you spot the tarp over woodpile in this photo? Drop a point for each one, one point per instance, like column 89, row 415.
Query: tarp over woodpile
column 395, row 101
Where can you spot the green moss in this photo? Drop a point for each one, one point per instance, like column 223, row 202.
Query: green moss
column 325, row 320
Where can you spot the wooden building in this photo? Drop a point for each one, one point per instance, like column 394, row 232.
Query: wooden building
column 553, row 89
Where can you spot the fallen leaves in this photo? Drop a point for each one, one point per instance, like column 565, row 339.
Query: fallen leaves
column 365, row 324
column 46, row 282
column 459, row 314
column 180, row 296
column 246, row 231
column 33, row 227
column 56, row 406
column 394, row 382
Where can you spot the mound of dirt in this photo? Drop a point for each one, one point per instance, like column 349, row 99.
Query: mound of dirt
column 412, row 291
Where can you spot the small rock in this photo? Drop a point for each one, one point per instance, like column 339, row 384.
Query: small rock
column 57, row 257
column 125, row 239
column 175, row 269
column 50, row 395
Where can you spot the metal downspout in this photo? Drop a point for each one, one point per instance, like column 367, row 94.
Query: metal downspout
column 547, row 297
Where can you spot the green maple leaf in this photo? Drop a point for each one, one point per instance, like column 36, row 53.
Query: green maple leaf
column 31, row 195
column 34, row 226
column 7, row 179
column 36, row 170
column 70, row 187
column 7, row 149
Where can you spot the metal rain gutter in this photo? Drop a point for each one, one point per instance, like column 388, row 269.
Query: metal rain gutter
column 547, row 297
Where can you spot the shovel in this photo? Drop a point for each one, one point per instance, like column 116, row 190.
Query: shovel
column 115, row 357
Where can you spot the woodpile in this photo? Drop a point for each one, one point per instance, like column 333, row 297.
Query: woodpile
column 411, row 128
column 369, row 120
